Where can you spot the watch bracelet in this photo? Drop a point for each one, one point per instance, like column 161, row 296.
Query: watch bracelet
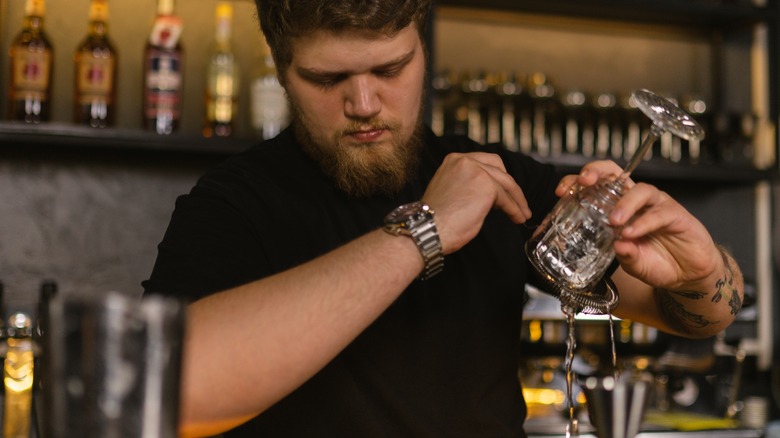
column 427, row 240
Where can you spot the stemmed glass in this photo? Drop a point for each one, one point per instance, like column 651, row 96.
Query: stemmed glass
column 572, row 248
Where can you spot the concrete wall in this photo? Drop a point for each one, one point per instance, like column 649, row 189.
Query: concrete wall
column 89, row 223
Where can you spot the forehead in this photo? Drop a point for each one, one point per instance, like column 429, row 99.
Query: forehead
column 352, row 50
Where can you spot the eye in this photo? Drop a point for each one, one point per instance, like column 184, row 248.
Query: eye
column 388, row 73
column 326, row 82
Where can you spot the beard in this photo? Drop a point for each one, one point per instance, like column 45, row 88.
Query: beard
column 362, row 170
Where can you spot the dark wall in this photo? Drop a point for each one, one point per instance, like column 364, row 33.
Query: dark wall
column 87, row 220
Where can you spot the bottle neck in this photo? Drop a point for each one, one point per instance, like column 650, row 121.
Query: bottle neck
column 98, row 28
column 165, row 7
column 98, row 17
column 33, row 23
column 223, row 33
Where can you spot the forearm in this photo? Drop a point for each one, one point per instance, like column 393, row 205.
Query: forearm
column 698, row 309
column 248, row 347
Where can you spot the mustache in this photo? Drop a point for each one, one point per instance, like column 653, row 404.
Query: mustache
column 367, row 125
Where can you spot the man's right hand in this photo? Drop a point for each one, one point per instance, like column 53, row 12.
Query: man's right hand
column 464, row 189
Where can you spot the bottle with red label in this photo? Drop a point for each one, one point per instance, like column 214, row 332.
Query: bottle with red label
column 163, row 68
column 96, row 70
column 31, row 57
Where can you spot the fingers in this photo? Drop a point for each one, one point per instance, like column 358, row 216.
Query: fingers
column 645, row 209
column 509, row 197
column 590, row 174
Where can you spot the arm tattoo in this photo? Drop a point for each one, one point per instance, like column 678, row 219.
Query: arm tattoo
column 674, row 312
column 725, row 286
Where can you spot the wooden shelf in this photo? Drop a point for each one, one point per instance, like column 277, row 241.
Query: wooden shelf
column 22, row 137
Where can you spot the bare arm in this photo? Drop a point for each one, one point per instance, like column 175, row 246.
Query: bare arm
column 287, row 327
column 700, row 309
column 249, row 347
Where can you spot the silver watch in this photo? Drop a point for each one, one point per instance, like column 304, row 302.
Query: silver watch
column 416, row 221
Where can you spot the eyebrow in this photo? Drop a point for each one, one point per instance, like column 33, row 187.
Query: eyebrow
column 314, row 73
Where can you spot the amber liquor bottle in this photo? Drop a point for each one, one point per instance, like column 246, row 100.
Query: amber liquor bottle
column 222, row 78
column 31, row 57
column 96, row 69
column 163, row 67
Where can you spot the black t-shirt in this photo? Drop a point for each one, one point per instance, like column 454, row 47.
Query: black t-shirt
column 440, row 361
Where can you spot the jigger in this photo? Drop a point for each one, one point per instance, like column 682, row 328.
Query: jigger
column 616, row 406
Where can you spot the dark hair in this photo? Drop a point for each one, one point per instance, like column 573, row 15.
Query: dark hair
column 283, row 20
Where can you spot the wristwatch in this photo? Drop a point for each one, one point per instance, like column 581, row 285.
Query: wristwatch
column 416, row 221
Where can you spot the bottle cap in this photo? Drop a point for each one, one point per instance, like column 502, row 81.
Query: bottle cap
column 36, row 8
column 165, row 7
column 98, row 10
column 224, row 10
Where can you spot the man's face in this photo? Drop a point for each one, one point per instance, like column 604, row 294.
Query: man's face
column 356, row 99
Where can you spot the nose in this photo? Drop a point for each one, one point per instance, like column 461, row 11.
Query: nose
column 361, row 99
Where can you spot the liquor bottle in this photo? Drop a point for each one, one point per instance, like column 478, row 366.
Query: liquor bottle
column 475, row 87
column 578, row 125
column 509, row 89
column 32, row 57
column 441, row 97
column 547, row 134
column 163, row 72
column 18, row 375
column 96, row 70
column 270, row 109
column 609, row 133
column 222, row 79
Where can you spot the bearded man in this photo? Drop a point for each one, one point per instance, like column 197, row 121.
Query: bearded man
column 358, row 276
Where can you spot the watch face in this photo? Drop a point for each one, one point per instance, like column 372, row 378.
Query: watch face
column 407, row 212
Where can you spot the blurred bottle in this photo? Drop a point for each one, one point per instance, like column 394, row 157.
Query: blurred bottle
column 509, row 89
column 270, row 108
column 609, row 132
column 163, row 67
column 491, row 106
column 31, row 60
column 460, row 105
column 223, row 78
column 700, row 110
column 440, row 101
column 96, row 70
column 547, row 128
column 579, row 121
column 18, row 377
column 635, row 125
column 475, row 87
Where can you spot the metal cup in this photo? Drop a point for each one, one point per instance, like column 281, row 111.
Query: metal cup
column 616, row 406
column 111, row 366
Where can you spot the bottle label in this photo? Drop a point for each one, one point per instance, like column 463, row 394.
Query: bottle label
column 95, row 78
column 163, row 82
column 166, row 32
column 30, row 73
